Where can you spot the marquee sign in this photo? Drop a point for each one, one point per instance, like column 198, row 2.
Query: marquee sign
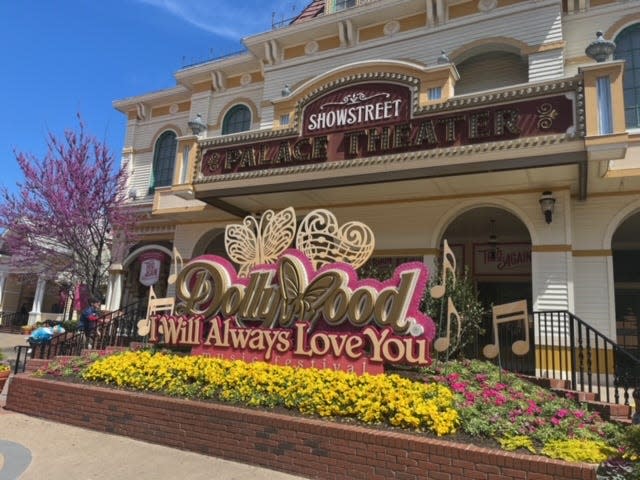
column 367, row 105
column 303, row 306
column 291, row 314
column 371, row 119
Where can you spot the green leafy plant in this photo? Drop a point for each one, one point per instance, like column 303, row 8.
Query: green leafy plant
column 464, row 296
column 70, row 325
column 499, row 405
column 68, row 366
column 517, row 442
column 577, row 450
column 462, row 292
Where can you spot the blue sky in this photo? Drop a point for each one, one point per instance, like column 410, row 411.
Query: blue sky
column 66, row 57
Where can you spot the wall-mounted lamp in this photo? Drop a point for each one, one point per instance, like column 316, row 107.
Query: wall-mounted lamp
column 286, row 91
column 133, row 193
column 197, row 125
column 547, row 202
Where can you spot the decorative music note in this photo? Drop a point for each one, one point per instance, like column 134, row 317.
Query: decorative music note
column 177, row 258
column 144, row 324
column 443, row 343
column 507, row 313
column 448, row 264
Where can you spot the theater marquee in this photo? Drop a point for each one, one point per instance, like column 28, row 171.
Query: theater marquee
column 371, row 119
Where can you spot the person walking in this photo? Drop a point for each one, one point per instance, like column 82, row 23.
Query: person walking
column 89, row 318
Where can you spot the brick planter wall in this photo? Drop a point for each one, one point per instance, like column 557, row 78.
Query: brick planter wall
column 301, row 446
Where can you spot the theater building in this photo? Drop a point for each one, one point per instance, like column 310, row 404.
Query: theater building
column 481, row 122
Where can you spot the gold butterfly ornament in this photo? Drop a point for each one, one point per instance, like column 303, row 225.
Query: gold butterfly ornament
column 260, row 241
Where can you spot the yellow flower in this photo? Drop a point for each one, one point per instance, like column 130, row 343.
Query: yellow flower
column 379, row 399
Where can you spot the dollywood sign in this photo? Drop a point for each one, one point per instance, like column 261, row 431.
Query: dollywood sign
column 298, row 306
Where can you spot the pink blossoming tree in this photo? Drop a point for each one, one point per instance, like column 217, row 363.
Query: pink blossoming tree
column 63, row 218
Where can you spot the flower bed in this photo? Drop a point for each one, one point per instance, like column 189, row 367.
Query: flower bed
column 473, row 397
column 302, row 446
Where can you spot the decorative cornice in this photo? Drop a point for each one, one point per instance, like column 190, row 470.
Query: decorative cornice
column 254, row 136
column 505, row 95
column 397, row 158
column 143, row 230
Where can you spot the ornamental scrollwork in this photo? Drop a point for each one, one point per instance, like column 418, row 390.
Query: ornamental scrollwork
column 546, row 115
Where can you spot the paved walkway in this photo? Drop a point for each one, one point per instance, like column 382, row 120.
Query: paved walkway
column 36, row 449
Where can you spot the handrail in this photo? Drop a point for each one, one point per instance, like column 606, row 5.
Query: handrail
column 13, row 320
column 117, row 328
column 570, row 349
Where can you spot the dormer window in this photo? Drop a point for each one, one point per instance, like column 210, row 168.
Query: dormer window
column 338, row 5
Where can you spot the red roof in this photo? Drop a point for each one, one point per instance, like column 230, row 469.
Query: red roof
column 314, row 9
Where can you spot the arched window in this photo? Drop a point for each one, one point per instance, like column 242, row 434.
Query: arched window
column 238, row 119
column 628, row 49
column 164, row 156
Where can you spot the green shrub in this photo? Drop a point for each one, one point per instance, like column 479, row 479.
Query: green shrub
column 575, row 450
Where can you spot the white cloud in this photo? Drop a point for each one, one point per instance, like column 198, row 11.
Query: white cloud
column 227, row 18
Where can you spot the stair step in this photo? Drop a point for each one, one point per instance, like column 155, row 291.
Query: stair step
column 550, row 383
column 610, row 411
column 621, row 420
column 576, row 395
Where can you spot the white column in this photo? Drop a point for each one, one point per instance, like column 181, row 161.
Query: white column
column 114, row 294
column 3, row 282
column 440, row 12
column 36, row 309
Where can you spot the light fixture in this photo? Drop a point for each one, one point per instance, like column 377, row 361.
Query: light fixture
column 286, row 91
column 547, row 202
column 197, row 125
column 133, row 193
column 600, row 49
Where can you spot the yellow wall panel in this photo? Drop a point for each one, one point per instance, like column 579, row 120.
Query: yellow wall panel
column 371, row 33
column 411, row 23
column 328, row 43
column 294, row 52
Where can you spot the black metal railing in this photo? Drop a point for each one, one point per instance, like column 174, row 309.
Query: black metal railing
column 118, row 328
column 12, row 321
column 508, row 334
column 569, row 349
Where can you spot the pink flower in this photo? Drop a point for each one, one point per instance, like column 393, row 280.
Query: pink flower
column 533, row 408
column 453, row 377
column 500, row 399
column 513, row 414
column 563, row 412
column 459, row 387
column 481, row 377
column 555, row 421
